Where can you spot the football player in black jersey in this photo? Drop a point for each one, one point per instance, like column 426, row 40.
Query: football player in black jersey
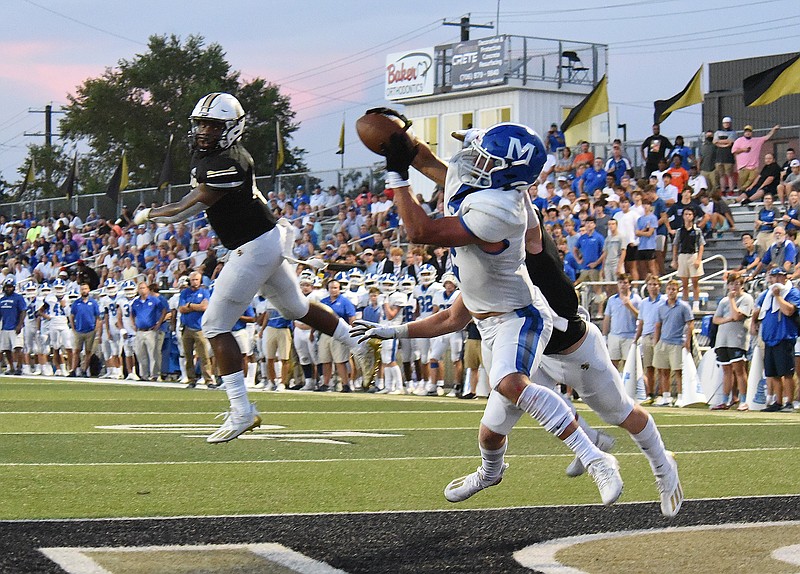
column 224, row 186
column 578, row 357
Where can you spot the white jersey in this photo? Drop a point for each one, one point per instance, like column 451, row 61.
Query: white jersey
column 44, row 306
column 109, row 308
column 58, row 309
column 497, row 282
column 31, row 306
column 124, row 309
column 424, row 297
column 354, row 297
column 317, row 295
column 174, row 303
column 444, row 301
column 396, row 299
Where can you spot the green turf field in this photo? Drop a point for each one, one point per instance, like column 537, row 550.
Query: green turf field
column 76, row 449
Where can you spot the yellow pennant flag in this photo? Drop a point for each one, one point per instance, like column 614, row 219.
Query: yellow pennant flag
column 690, row 95
column 594, row 104
column 280, row 154
column 340, row 151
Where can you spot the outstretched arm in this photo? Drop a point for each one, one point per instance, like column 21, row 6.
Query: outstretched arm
column 197, row 200
column 450, row 320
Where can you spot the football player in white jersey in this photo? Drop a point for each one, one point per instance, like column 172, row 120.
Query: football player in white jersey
column 30, row 329
column 489, row 219
column 406, row 286
column 455, row 341
column 60, row 334
column 424, row 293
column 392, row 304
column 304, row 338
column 109, row 338
column 43, row 310
column 356, row 277
column 126, row 327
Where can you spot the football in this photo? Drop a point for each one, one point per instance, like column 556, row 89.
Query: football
column 375, row 129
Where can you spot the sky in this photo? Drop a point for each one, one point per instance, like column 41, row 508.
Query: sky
column 328, row 57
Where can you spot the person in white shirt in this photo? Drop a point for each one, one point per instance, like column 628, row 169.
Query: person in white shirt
column 626, row 224
column 697, row 181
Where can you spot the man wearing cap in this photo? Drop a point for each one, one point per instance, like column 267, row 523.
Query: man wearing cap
column 724, row 160
column 747, row 152
column 773, row 310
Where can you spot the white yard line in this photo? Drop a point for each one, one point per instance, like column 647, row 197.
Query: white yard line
column 347, row 460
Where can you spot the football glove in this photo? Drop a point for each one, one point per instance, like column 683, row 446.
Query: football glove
column 141, row 216
column 366, row 330
column 399, row 152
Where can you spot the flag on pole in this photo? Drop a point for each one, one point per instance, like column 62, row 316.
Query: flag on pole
column 767, row 86
column 68, row 187
column 690, row 95
column 340, row 151
column 165, row 179
column 119, row 180
column 30, row 177
column 594, row 104
column 280, row 153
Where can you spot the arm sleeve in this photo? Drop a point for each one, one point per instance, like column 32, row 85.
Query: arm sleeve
column 494, row 215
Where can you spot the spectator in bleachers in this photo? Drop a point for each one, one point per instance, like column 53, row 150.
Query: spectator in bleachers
column 687, row 256
column 593, row 178
column 765, row 222
column 646, row 227
column 675, row 211
column 626, row 219
column 747, row 151
column 584, row 158
column 679, row 175
column 617, row 165
column 724, row 161
column 613, row 259
column 685, row 153
column 654, row 149
column 782, row 253
column 767, row 181
column 790, row 180
column 751, row 257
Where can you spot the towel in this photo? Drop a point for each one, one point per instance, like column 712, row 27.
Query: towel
column 770, row 302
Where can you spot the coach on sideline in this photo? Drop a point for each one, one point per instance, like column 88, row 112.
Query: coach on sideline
column 192, row 303
column 148, row 313
column 84, row 319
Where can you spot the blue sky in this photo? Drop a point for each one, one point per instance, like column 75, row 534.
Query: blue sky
column 329, row 56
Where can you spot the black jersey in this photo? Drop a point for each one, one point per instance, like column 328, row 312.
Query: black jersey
column 241, row 214
column 546, row 271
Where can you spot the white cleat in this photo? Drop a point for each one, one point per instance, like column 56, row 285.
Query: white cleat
column 605, row 472
column 132, row 377
column 604, row 442
column 670, row 490
column 463, row 487
column 235, row 424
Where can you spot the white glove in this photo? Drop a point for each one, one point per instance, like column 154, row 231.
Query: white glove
column 365, row 330
column 122, row 333
column 142, row 216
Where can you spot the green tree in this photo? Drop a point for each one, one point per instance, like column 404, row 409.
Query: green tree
column 138, row 104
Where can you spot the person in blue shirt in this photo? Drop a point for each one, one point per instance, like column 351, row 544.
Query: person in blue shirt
column 773, row 311
column 617, row 165
column 672, row 335
column 593, row 178
column 765, row 222
column 619, row 320
column 84, row 319
column 645, row 331
column 782, row 253
column 330, row 350
column 192, row 303
column 685, row 153
column 588, row 251
column 12, row 317
column 555, row 139
column 791, row 219
column 646, row 227
column 148, row 312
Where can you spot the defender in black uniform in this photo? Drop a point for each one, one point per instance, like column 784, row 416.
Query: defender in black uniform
column 223, row 184
column 578, row 357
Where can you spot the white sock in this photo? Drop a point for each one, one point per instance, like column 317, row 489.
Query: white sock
column 397, row 374
column 650, row 443
column 182, row 363
column 342, row 334
column 580, row 444
column 237, row 393
column 251, row 374
column 492, row 461
column 389, row 378
column 786, row 401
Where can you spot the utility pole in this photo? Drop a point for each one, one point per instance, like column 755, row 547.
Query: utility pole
column 465, row 25
column 48, row 124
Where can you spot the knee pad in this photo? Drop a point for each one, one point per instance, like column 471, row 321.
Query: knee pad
column 500, row 414
column 549, row 409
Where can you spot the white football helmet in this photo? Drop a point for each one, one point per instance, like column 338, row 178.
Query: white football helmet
column 59, row 287
column 427, row 274
column 73, row 295
column 370, row 281
column 356, row 278
column 30, row 289
column 224, row 109
column 407, row 284
column 343, row 279
column 307, row 276
column 129, row 288
column 450, row 277
column 110, row 287
column 45, row 290
column 387, row 283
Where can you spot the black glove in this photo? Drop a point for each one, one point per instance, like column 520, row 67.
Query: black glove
column 399, row 152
